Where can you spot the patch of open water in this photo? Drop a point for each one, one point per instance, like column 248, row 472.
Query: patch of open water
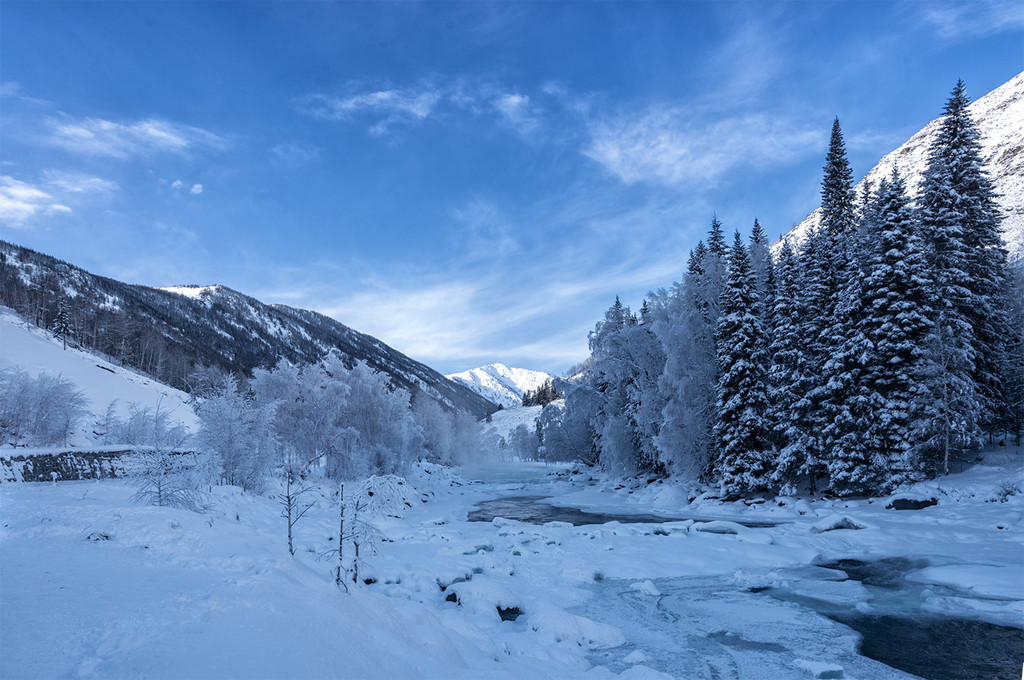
column 530, row 509
column 933, row 646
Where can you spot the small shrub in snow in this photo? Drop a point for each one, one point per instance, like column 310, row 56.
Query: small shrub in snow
column 164, row 475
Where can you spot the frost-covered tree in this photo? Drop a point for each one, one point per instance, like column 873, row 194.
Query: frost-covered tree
column 687, row 385
column 383, row 435
column 376, row 496
column 240, row 434
column 741, row 427
column 449, row 437
column 297, row 496
column 567, row 430
column 164, row 474
column 39, row 411
column 628, row 360
column 308, row 405
column 522, row 443
column 437, row 428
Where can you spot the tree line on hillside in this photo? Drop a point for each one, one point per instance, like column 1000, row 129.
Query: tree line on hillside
column 887, row 345
column 542, row 396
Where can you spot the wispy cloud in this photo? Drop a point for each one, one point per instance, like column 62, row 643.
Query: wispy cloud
column 954, row 20
column 388, row 108
column 669, row 145
column 291, row 154
column 518, row 112
column 534, row 308
column 77, row 183
column 483, row 232
column 20, row 202
column 23, row 203
column 100, row 137
column 196, row 189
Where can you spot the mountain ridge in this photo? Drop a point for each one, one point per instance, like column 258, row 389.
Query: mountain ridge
column 167, row 334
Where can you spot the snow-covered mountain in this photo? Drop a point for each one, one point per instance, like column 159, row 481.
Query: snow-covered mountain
column 1000, row 119
column 166, row 333
column 501, row 384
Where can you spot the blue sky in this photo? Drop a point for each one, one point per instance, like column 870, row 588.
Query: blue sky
column 469, row 182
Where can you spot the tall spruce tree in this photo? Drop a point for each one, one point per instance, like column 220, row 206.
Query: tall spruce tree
column 961, row 220
column 807, row 418
column 957, row 150
column 741, row 428
column 897, row 321
column 716, row 239
column 788, row 379
column 838, row 272
column 761, row 262
column 838, row 217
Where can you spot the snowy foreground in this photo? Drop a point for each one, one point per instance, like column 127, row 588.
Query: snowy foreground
column 93, row 586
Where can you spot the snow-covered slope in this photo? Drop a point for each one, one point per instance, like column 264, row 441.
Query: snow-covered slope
column 30, row 349
column 1000, row 119
column 500, row 384
column 167, row 332
column 504, row 422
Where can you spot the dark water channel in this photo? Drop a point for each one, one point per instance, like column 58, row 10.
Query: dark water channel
column 529, row 509
column 929, row 645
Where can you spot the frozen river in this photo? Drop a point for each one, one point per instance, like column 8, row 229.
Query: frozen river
column 847, row 618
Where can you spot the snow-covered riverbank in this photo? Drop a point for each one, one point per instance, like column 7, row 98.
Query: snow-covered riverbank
column 92, row 585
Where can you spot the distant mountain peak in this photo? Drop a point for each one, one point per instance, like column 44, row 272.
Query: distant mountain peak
column 501, row 384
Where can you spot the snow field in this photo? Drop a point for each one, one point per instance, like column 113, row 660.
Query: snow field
column 93, row 586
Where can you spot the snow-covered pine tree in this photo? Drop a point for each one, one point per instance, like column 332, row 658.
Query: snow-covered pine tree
column 62, row 323
column 806, row 419
column 764, row 269
column 716, row 240
column 961, row 221
column 958, row 203
column 896, row 322
column 842, row 394
column 838, row 217
column 835, row 272
column 741, row 427
column 788, row 380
